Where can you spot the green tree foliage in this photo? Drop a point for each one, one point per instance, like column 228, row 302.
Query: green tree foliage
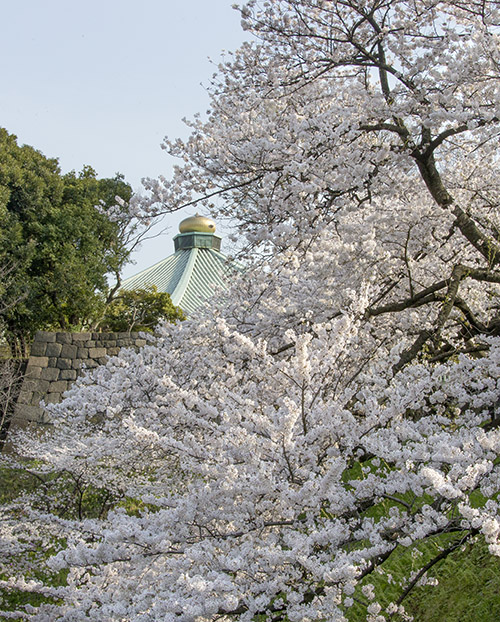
column 140, row 310
column 55, row 233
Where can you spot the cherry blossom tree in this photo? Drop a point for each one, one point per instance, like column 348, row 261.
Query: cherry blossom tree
column 347, row 104
column 268, row 459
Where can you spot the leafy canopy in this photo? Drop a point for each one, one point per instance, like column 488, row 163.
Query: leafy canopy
column 139, row 310
column 56, row 234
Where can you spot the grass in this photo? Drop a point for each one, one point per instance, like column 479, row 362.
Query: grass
column 467, row 580
column 467, row 584
column 468, row 589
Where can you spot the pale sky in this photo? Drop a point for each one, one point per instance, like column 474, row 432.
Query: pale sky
column 102, row 82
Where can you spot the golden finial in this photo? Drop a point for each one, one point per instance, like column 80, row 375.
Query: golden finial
column 198, row 223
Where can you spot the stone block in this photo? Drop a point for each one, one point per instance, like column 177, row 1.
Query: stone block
column 140, row 343
column 25, row 397
column 38, row 361
column 64, row 338
column 36, row 398
column 33, row 372
column 38, row 348
column 95, row 353
column 45, row 336
column 102, row 360
column 53, row 349
column 52, row 398
column 50, row 373
column 43, row 385
column 77, row 363
column 36, row 385
column 58, row 387
column 64, row 363
column 69, row 352
column 30, row 385
column 82, row 336
column 82, row 353
column 52, row 361
column 91, row 343
column 90, row 363
column 27, row 413
column 68, row 374
column 113, row 351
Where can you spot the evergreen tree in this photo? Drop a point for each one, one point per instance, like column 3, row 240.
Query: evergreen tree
column 57, row 243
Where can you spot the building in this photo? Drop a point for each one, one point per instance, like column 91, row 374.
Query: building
column 195, row 271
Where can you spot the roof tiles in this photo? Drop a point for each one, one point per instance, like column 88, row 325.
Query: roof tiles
column 191, row 276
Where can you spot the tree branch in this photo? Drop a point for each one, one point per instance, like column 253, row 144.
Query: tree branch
column 486, row 246
column 453, row 131
column 416, row 300
column 442, row 555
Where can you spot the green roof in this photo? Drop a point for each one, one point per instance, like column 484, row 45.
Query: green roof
column 192, row 274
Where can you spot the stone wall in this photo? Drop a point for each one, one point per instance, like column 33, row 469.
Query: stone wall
column 56, row 360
